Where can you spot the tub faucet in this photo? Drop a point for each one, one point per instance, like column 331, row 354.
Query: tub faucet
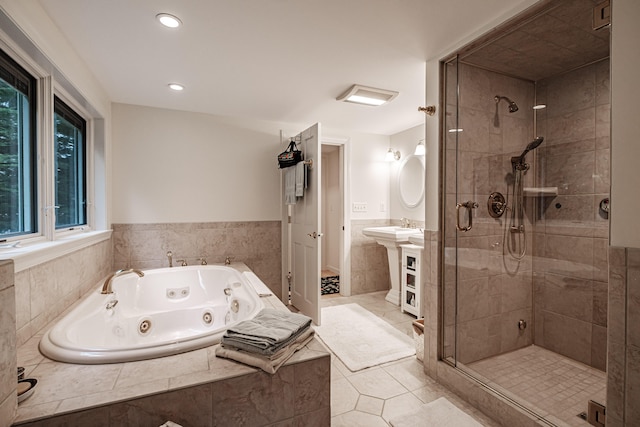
column 170, row 256
column 106, row 287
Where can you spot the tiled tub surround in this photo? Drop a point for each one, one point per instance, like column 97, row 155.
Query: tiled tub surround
column 46, row 290
column 254, row 243
column 8, row 385
column 193, row 388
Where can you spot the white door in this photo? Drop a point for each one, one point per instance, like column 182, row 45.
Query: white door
column 306, row 234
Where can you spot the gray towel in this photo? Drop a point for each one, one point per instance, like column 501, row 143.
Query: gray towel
column 269, row 331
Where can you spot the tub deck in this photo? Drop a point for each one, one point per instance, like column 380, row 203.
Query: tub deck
column 192, row 388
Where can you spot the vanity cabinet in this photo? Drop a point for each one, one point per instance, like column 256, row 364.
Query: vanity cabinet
column 410, row 286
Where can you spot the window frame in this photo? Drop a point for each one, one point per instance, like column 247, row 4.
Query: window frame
column 16, row 68
column 73, row 111
column 47, row 89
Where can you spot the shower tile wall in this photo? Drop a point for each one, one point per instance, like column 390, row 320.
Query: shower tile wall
column 571, row 239
column 254, row 243
column 45, row 291
column 494, row 291
column 369, row 264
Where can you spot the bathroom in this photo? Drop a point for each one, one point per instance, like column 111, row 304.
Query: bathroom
column 145, row 216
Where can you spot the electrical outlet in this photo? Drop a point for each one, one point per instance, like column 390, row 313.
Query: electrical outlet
column 359, row 207
column 383, row 207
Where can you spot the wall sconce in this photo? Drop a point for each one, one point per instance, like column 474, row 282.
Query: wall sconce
column 392, row 155
column 421, row 150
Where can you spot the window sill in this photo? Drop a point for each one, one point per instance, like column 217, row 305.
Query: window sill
column 32, row 254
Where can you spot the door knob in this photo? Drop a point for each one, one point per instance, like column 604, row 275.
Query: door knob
column 314, row 235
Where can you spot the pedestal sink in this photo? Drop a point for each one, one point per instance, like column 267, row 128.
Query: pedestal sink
column 391, row 237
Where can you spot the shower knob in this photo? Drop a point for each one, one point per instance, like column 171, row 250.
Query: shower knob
column 496, row 204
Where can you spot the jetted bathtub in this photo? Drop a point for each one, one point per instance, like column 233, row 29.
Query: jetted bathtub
column 167, row 311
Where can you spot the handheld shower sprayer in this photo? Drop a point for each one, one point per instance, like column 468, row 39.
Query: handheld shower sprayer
column 517, row 243
column 518, row 161
column 513, row 107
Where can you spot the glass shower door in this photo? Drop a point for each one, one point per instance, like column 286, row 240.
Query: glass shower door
column 449, row 196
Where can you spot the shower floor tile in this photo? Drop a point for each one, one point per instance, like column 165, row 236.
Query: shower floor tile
column 558, row 386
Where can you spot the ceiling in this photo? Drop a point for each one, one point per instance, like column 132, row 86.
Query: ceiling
column 275, row 60
column 559, row 40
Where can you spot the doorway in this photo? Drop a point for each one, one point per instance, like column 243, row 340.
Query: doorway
column 332, row 220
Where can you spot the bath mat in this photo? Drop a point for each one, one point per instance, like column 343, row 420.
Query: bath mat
column 330, row 285
column 440, row 412
column 360, row 339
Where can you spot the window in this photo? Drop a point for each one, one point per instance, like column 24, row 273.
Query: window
column 17, row 150
column 70, row 169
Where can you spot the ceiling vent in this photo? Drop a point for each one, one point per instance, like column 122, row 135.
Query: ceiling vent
column 367, row 95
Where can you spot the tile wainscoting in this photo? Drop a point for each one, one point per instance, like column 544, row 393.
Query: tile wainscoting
column 46, row 290
column 8, row 384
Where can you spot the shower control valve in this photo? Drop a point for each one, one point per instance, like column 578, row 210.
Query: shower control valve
column 496, row 204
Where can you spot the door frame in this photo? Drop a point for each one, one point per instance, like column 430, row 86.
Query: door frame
column 345, row 239
column 345, row 246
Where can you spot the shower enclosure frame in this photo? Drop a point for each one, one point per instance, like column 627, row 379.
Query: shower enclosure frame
column 445, row 212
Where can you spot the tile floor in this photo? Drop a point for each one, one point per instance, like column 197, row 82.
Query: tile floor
column 373, row 396
column 558, row 386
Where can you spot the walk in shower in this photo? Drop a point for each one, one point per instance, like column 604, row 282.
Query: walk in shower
column 525, row 192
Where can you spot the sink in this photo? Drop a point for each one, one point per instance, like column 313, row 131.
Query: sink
column 391, row 237
column 392, row 233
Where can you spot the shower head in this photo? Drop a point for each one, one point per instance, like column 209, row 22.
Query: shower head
column 518, row 162
column 513, row 107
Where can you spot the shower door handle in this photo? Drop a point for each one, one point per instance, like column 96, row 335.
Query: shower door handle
column 469, row 206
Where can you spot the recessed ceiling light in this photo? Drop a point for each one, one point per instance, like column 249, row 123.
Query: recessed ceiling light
column 168, row 20
column 176, row 86
column 367, row 95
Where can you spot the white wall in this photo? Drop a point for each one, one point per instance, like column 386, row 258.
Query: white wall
column 369, row 174
column 406, row 143
column 176, row 166
column 625, row 126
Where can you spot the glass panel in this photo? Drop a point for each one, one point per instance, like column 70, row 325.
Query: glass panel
column 17, row 186
column 70, row 167
column 450, row 138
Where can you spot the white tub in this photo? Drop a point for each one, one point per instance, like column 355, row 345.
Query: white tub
column 168, row 311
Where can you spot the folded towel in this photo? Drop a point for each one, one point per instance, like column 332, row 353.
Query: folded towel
column 290, row 186
column 269, row 331
column 300, row 179
column 267, row 364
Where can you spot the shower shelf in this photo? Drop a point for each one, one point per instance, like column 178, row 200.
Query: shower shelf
column 540, row 191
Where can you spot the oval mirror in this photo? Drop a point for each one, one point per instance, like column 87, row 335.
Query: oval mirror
column 411, row 181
